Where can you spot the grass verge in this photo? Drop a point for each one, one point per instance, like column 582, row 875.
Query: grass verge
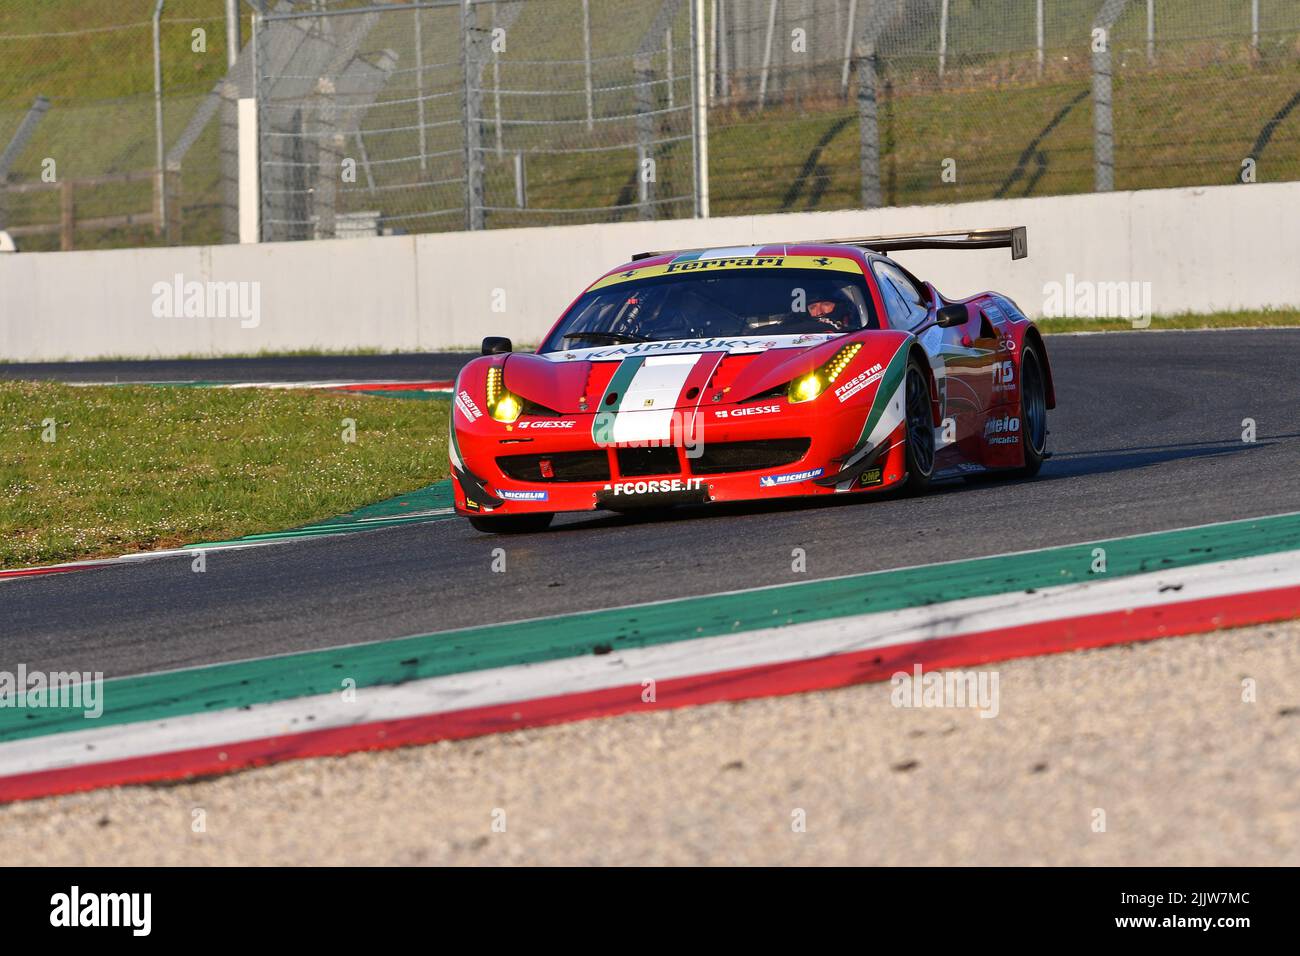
column 137, row 468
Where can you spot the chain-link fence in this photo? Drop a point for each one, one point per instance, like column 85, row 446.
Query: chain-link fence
column 382, row 116
column 445, row 115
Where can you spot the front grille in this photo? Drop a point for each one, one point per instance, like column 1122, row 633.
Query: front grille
column 639, row 462
column 564, row 466
column 721, row 457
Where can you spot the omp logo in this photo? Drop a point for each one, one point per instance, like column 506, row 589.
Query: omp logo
column 180, row 299
column 655, row 486
column 742, row 412
column 1002, row 431
column 75, row 908
column 1086, row 299
column 549, row 423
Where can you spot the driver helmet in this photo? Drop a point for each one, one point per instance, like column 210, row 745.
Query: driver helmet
column 833, row 309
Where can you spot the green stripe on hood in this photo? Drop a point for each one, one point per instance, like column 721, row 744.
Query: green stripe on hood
column 602, row 425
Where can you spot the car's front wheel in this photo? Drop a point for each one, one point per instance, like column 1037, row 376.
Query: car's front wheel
column 511, row 524
column 920, row 429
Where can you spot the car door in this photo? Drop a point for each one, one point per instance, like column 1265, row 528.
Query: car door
column 962, row 358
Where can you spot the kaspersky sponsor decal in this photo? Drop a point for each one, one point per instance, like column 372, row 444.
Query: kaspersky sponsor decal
column 732, row 345
column 859, row 382
column 655, row 486
column 746, row 411
column 1004, row 430
column 774, row 481
column 529, row 495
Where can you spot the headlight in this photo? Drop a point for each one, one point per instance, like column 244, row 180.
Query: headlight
column 502, row 406
column 807, row 387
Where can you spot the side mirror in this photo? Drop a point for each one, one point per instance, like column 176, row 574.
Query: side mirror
column 951, row 315
column 496, row 345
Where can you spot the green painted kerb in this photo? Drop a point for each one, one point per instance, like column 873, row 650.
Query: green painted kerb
column 216, row 687
column 411, row 508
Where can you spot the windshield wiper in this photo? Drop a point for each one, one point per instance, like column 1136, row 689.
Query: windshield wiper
column 609, row 336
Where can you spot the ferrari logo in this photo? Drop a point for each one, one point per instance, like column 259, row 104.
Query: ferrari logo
column 822, row 261
column 648, row 403
column 629, row 274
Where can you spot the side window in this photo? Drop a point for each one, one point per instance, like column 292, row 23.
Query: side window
column 903, row 301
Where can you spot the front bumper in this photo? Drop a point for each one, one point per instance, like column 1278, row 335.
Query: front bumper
column 719, row 452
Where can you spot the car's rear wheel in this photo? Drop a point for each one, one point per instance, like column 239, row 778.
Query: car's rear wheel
column 511, row 524
column 1033, row 411
column 919, row 445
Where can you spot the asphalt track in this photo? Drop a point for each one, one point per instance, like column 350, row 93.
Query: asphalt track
column 1147, row 437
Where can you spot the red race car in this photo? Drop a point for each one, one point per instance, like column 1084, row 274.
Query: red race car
column 731, row 374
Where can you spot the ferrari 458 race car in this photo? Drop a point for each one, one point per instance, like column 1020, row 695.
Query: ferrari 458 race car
column 731, row 374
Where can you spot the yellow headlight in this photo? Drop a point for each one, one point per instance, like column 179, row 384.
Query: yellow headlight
column 502, row 406
column 807, row 388
column 506, row 408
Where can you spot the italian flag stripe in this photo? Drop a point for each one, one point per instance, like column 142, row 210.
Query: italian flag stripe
column 602, row 423
column 889, row 384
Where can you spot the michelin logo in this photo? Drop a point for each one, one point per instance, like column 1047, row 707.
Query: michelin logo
column 522, row 495
column 773, row 481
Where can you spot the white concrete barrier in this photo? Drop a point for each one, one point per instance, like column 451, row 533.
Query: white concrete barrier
column 1201, row 250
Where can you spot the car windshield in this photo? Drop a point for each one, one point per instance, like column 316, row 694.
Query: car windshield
column 738, row 302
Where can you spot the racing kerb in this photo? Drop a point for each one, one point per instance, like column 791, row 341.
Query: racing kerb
column 775, row 640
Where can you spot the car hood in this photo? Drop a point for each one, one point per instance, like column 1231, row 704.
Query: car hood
column 676, row 374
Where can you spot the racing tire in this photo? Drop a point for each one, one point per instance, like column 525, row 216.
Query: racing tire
column 919, row 443
column 511, row 524
column 1033, row 412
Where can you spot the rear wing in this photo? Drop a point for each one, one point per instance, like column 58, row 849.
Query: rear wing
column 1010, row 237
column 1014, row 238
